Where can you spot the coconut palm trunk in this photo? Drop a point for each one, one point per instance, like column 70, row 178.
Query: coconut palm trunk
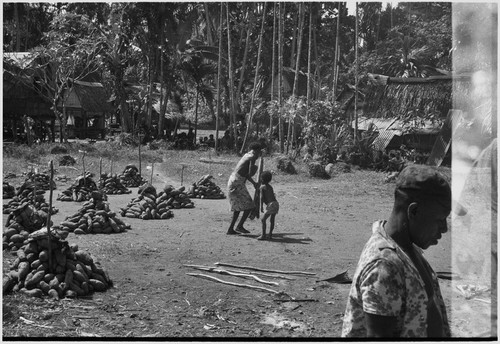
column 196, row 114
column 219, row 76
column 291, row 119
column 163, row 101
column 231, row 81
column 245, row 59
column 280, row 75
column 336, row 59
column 273, row 72
column 309, row 53
column 255, row 80
column 356, row 79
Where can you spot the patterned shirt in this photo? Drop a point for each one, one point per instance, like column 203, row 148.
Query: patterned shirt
column 387, row 283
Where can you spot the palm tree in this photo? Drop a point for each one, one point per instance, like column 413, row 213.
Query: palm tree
column 198, row 70
column 231, row 80
column 250, row 117
column 281, row 16
column 273, row 71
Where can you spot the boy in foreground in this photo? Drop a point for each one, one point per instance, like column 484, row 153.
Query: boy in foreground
column 395, row 292
column 272, row 206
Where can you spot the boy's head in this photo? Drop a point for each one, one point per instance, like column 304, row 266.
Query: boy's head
column 266, row 177
column 423, row 195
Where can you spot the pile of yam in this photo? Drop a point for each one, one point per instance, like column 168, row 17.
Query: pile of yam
column 67, row 160
column 81, row 190
column 31, row 194
column 131, row 177
column 110, row 184
column 49, row 266
column 20, row 223
column 175, row 198
column 9, row 191
column 94, row 217
column 42, row 180
column 149, row 205
column 205, row 188
column 317, row 170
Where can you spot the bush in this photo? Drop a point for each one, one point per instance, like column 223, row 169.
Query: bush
column 284, row 164
column 59, row 149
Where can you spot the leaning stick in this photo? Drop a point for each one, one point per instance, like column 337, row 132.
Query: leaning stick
column 225, row 272
column 242, row 272
column 51, row 165
column 266, row 270
column 233, row 284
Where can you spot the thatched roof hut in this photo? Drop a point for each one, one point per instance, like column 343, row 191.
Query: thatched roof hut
column 392, row 99
column 86, row 105
column 389, row 97
column 19, row 95
column 20, row 99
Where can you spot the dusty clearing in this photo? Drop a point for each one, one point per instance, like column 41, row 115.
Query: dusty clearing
column 321, row 228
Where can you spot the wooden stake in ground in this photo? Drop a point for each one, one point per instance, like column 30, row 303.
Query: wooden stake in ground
column 266, row 270
column 234, row 284
column 151, row 177
column 140, row 169
column 111, row 167
column 100, row 167
column 256, row 198
column 182, row 173
column 83, row 164
column 51, row 164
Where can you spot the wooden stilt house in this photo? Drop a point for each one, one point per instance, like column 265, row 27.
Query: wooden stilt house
column 87, row 107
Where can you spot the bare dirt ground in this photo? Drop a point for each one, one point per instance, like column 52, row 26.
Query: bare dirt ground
column 321, row 228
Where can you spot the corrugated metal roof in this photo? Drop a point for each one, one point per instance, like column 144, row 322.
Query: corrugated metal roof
column 383, row 139
column 395, row 124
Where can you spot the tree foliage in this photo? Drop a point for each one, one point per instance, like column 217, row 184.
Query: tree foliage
column 175, row 45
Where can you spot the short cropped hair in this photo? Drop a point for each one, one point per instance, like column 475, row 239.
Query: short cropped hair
column 403, row 198
column 266, row 177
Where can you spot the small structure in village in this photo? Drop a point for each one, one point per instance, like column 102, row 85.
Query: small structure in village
column 86, row 106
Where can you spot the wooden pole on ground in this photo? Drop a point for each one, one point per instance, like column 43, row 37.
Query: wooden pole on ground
column 231, row 273
column 51, row 164
column 266, row 270
column 233, row 284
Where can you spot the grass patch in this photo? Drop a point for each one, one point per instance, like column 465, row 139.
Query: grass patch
column 188, row 165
